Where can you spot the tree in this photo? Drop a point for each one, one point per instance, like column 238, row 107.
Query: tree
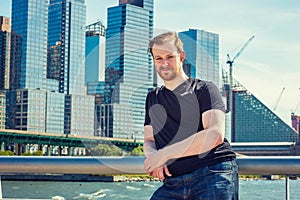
column 6, row 153
column 137, row 151
column 107, row 150
column 38, row 153
column 35, row 153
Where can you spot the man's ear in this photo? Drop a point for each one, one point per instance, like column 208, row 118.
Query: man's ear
column 182, row 56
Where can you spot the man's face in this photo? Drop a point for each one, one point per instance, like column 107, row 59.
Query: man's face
column 167, row 60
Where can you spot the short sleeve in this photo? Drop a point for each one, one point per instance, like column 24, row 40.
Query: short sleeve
column 147, row 105
column 209, row 97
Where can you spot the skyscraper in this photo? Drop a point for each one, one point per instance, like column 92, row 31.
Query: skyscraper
column 27, row 94
column 5, row 34
column 2, row 110
column 202, row 61
column 66, row 64
column 202, row 54
column 129, row 71
column 95, row 52
column 47, row 70
column 29, row 21
column 66, row 38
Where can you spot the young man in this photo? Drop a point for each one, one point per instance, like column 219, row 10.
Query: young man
column 184, row 140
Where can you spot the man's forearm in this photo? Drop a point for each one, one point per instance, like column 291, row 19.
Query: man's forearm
column 196, row 144
column 149, row 147
column 200, row 142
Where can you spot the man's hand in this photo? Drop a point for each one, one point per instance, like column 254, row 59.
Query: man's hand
column 160, row 172
column 154, row 160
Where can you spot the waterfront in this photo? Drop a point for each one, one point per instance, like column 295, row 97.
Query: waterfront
column 249, row 190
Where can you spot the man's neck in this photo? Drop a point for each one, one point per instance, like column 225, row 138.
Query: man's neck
column 171, row 85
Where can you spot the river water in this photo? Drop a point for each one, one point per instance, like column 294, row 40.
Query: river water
column 249, row 190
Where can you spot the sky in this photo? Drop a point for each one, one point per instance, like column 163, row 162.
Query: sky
column 269, row 63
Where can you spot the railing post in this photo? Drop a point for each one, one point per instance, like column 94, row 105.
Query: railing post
column 287, row 187
column 0, row 188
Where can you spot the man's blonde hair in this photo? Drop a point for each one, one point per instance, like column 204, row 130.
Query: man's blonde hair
column 164, row 38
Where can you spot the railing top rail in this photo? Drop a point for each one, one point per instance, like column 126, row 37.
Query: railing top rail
column 289, row 165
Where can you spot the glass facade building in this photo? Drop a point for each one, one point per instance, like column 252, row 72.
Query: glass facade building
column 202, row 54
column 95, row 52
column 79, row 114
column 2, row 110
column 15, row 61
column 55, row 112
column 129, row 70
column 98, row 90
column 47, row 63
column 30, row 110
column 4, row 52
column 252, row 121
column 66, row 65
column 29, row 21
column 66, row 37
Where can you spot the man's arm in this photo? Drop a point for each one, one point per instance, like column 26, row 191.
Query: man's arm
column 149, row 143
column 198, row 143
column 149, row 149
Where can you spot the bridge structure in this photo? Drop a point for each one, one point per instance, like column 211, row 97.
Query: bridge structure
column 50, row 140
column 19, row 139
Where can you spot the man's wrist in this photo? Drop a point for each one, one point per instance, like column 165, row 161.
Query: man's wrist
column 165, row 154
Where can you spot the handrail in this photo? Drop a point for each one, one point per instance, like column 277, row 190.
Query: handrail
column 254, row 165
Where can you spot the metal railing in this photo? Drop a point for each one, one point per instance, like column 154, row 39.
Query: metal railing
column 278, row 165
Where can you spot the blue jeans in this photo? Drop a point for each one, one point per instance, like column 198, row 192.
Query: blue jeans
column 214, row 182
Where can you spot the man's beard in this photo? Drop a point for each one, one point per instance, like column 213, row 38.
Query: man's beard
column 171, row 74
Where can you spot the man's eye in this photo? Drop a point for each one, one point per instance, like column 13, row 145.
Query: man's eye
column 157, row 58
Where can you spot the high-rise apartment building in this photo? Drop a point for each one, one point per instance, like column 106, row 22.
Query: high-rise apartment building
column 129, row 70
column 66, row 64
column 202, row 61
column 66, row 37
column 79, row 114
column 29, row 21
column 47, row 67
column 26, row 97
column 95, row 52
column 5, row 36
column 202, row 54
column 2, row 110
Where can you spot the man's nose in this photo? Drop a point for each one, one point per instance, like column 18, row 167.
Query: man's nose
column 165, row 61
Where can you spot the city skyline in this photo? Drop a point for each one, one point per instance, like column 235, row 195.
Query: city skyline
column 269, row 62
column 48, row 93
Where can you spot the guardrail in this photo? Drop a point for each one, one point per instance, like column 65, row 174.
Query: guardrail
column 287, row 166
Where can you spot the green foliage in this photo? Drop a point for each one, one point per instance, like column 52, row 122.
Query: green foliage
column 6, row 153
column 36, row 153
column 26, row 154
column 250, row 176
column 138, row 151
column 107, row 150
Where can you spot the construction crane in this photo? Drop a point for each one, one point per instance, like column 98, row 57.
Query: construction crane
column 230, row 62
column 278, row 99
column 298, row 105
